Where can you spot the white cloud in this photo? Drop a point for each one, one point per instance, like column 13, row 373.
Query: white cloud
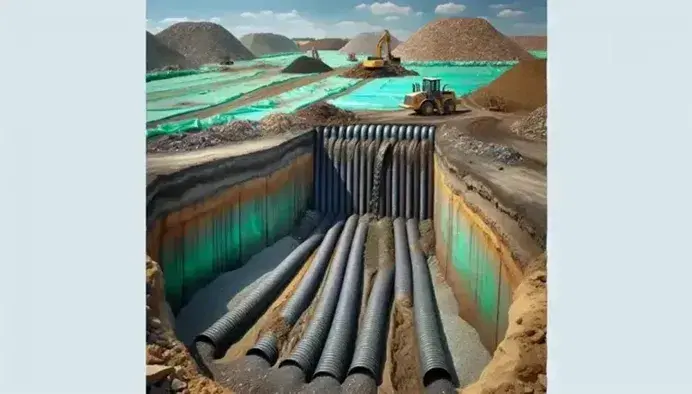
column 510, row 13
column 170, row 21
column 498, row 6
column 449, row 9
column 287, row 15
column 387, row 8
column 215, row 20
column 391, row 18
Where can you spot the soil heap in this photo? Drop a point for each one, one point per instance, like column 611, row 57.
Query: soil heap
column 532, row 43
column 324, row 114
column 261, row 44
column 389, row 70
column 204, row 43
column 460, row 39
column 324, row 44
column 522, row 88
column 366, row 43
column 533, row 126
column 306, row 65
column 159, row 56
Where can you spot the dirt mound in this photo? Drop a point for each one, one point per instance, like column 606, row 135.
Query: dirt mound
column 204, row 43
column 306, row 65
column 324, row 44
column 324, row 114
column 460, row 39
column 161, row 57
column 170, row 367
column 519, row 363
column 267, row 43
column 532, row 43
column 522, row 88
column 366, row 43
column 389, row 70
column 240, row 130
column 533, row 126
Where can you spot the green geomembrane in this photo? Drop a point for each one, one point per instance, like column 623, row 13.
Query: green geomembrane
column 286, row 102
column 386, row 94
column 224, row 242
column 199, row 94
column 539, row 54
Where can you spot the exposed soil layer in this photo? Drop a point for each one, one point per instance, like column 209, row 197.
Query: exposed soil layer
column 460, row 39
column 164, row 351
column 404, row 351
column 320, row 113
column 389, row 70
column 267, row 43
column 366, row 43
column 532, row 43
column 204, row 43
column 533, row 126
column 161, row 57
column 306, row 65
column 519, row 363
column 324, row 44
column 521, row 88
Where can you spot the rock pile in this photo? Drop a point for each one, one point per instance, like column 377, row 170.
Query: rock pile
column 490, row 150
column 306, row 65
column 366, row 43
column 261, row 44
column 204, row 43
column 389, row 70
column 460, row 39
column 533, row 126
column 521, row 88
column 324, row 114
column 161, row 57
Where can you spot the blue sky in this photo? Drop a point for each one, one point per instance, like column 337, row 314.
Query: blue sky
column 346, row 18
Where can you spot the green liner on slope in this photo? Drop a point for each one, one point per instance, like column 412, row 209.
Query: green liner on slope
column 539, row 54
column 286, row 102
column 198, row 100
column 385, row 94
column 195, row 80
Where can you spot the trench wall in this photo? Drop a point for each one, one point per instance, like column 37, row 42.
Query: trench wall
column 198, row 241
column 476, row 264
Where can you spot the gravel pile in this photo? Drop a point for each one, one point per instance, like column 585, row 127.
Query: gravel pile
column 366, row 43
column 324, row 44
column 278, row 123
column 306, row 65
column 532, row 43
column 491, row 150
column 204, row 43
column 324, row 114
column 468, row 353
column 389, row 70
column 522, row 88
column 460, row 39
column 160, row 57
column 533, row 126
column 240, row 130
column 267, row 43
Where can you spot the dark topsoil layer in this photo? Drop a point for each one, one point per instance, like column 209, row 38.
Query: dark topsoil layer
column 389, row 70
column 306, row 65
column 321, row 113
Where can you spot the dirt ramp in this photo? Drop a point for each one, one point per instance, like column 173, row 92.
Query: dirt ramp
column 532, row 43
column 306, row 65
column 160, row 56
column 204, row 43
column 460, row 39
column 389, row 70
column 324, row 44
column 522, row 88
column 366, row 43
column 261, row 44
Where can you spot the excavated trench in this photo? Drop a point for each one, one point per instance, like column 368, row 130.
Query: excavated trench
column 350, row 303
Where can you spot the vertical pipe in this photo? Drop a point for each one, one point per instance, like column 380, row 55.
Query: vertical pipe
column 362, row 181
column 415, row 197
column 395, row 179
column 356, row 176
column 342, row 175
column 349, row 176
column 317, row 168
column 409, row 181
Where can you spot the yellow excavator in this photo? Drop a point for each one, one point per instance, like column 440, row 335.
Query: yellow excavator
column 431, row 99
column 379, row 61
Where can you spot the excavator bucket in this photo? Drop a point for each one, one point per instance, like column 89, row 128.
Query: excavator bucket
column 395, row 60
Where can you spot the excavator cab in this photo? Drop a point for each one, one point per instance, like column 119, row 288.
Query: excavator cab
column 429, row 98
column 380, row 60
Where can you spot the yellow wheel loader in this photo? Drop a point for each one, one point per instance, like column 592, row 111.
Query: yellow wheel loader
column 376, row 62
column 430, row 99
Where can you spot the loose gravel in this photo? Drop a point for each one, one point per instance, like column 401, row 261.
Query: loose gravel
column 161, row 57
column 460, row 39
column 533, row 126
column 213, row 301
column 389, row 70
column 468, row 353
column 490, row 150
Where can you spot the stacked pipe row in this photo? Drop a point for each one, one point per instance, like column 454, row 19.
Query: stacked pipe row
column 386, row 170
